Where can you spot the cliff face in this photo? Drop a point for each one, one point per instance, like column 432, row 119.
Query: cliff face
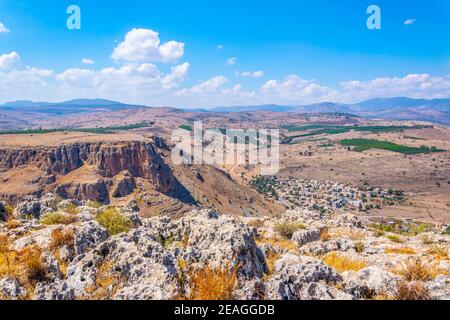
column 92, row 167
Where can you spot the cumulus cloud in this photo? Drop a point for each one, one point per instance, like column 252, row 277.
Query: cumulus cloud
column 412, row 85
column 254, row 74
column 3, row 28
column 87, row 61
column 130, row 81
column 212, row 85
column 294, row 88
column 32, row 81
column 213, row 92
column 144, row 45
column 177, row 75
column 409, row 21
column 9, row 60
column 231, row 61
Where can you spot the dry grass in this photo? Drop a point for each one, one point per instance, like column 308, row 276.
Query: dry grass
column 287, row 229
column 94, row 204
column 439, row 252
column 61, row 238
column 256, row 223
column 342, row 263
column 283, row 244
column 71, row 209
column 325, row 235
column 210, row 284
column 416, row 270
column 337, row 233
column 35, row 271
column 106, row 283
column 6, row 257
column 402, row 250
column 426, row 239
column 411, row 291
column 25, row 265
column 12, row 224
column 271, row 258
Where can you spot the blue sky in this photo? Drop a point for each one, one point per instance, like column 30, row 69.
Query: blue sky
column 289, row 52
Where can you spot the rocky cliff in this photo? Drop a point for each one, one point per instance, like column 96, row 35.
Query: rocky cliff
column 86, row 170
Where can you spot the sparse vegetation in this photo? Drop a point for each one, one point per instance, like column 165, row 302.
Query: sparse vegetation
column 325, row 235
column 440, row 252
column 114, row 221
column 416, row 271
column 394, row 238
column 402, row 250
column 409, row 229
column 287, row 229
column 210, row 284
column 411, row 291
column 94, row 204
column 12, row 224
column 359, row 247
column 61, row 238
column 343, row 263
column 54, row 218
column 9, row 211
column 71, row 209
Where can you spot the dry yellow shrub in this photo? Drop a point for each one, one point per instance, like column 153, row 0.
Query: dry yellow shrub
column 342, row 263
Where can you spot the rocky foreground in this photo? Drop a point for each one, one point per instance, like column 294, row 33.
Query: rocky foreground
column 53, row 249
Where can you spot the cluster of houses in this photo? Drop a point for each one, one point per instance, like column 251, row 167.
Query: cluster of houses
column 325, row 195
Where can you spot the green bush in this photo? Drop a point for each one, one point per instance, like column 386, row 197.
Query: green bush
column 287, row 229
column 53, row 218
column 113, row 221
column 359, row 247
column 9, row 211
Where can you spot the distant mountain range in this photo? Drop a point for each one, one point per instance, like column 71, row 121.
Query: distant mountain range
column 67, row 107
column 398, row 108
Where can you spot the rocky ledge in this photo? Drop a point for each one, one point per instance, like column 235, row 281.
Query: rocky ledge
column 85, row 171
column 82, row 250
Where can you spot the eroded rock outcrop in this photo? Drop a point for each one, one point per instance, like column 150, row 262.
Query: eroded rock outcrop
column 103, row 162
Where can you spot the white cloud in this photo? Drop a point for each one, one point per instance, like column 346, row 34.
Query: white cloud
column 3, row 28
column 213, row 92
column 409, row 21
column 130, row 81
column 294, row 89
column 178, row 74
column 220, row 46
column 254, row 74
column 412, row 85
column 209, row 86
column 87, row 61
column 232, row 61
column 144, row 45
column 30, row 81
column 9, row 60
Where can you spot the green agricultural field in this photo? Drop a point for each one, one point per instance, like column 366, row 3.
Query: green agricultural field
column 330, row 129
column 186, row 127
column 360, row 145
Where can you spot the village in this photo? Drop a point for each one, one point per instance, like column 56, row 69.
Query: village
column 324, row 196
